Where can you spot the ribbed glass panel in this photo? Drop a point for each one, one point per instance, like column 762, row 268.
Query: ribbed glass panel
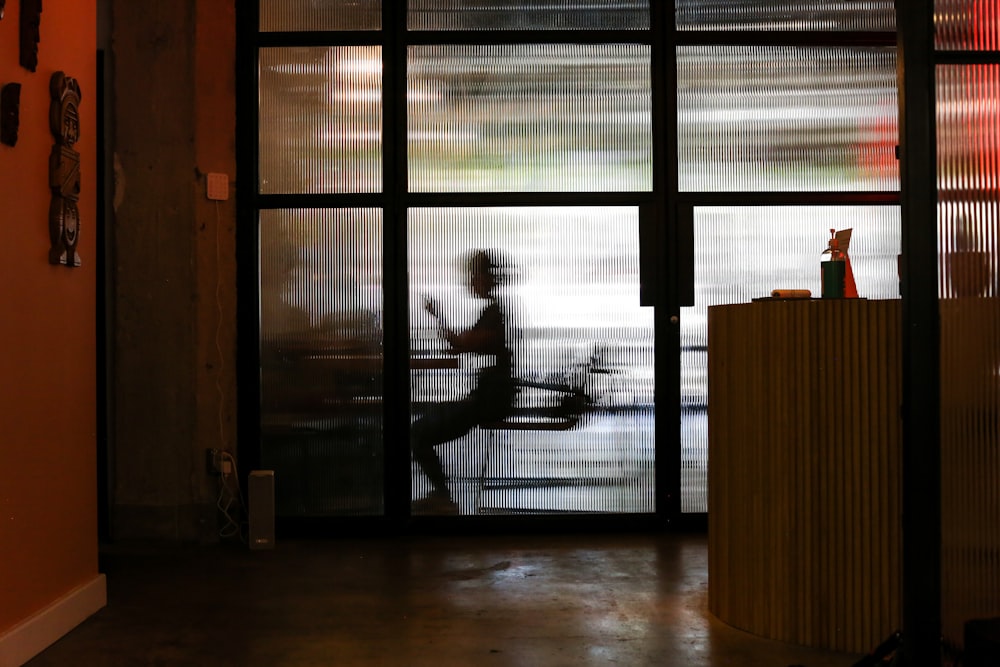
column 968, row 132
column 294, row 15
column 528, row 15
column 321, row 359
column 967, row 25
column 580, row 436
column 743, row 253
column 537, row 117
column 320, row 120
column 968, row 178
column 795, row 15
column 782, row 118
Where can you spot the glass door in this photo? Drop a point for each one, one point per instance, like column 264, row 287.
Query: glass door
column 967, row 78
column 534, row 394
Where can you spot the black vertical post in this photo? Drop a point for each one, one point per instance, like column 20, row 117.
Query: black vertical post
column 921, row 521
column 100, row 228
column 247, row 271
column 396, row 473
column 660, row 257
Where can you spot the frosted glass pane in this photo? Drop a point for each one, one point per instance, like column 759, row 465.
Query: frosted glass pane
column 796, row 15
column 579, row 436
column 967, row 25
column 968, row 133
column 293, row 15
column 515, row 118
column 320, row 120
column 968, row 178
column 321, row 359
column 742, row 253
column 775, row 118
column 528, row 15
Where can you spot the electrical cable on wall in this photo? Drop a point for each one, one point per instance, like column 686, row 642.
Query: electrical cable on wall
column 218, row 331
column 230, row 499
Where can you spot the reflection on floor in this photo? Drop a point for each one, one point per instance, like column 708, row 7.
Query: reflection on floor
column 494, row 601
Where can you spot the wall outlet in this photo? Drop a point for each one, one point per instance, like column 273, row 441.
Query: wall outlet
column 218, row 462
column 217, row 186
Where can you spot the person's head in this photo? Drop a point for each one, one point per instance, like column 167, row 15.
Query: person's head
column 486, row 269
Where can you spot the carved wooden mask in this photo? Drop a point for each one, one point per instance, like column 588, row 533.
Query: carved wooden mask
column 64, row 170
column 10, row 115
column 64, row 111
column 31, row 21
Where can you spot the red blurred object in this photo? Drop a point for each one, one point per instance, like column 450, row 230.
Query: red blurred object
column 850, row 288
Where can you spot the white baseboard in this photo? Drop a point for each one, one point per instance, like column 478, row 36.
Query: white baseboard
column 33, row 635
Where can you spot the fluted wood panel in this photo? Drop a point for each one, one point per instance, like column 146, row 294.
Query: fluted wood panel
column 970, row 462
column 804, row 490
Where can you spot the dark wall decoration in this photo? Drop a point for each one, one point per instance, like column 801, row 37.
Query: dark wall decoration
column 31, row 21
column 10, row 104
column 64, row 170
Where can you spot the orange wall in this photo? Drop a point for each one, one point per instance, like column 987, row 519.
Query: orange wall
column 48, row 487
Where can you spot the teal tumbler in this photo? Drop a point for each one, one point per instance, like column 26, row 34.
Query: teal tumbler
column 833, row 278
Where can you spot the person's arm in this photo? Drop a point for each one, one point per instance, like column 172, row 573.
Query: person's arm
column 483, row 337
column 432, row 306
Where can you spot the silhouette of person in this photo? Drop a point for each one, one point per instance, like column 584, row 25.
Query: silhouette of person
column 495, row 335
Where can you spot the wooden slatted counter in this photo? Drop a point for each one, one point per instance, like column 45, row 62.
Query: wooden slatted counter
column 804, row 494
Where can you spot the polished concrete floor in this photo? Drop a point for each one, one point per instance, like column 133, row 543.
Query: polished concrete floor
column 480, row 601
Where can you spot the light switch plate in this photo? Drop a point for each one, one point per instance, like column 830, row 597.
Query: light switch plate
column 218, row 186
